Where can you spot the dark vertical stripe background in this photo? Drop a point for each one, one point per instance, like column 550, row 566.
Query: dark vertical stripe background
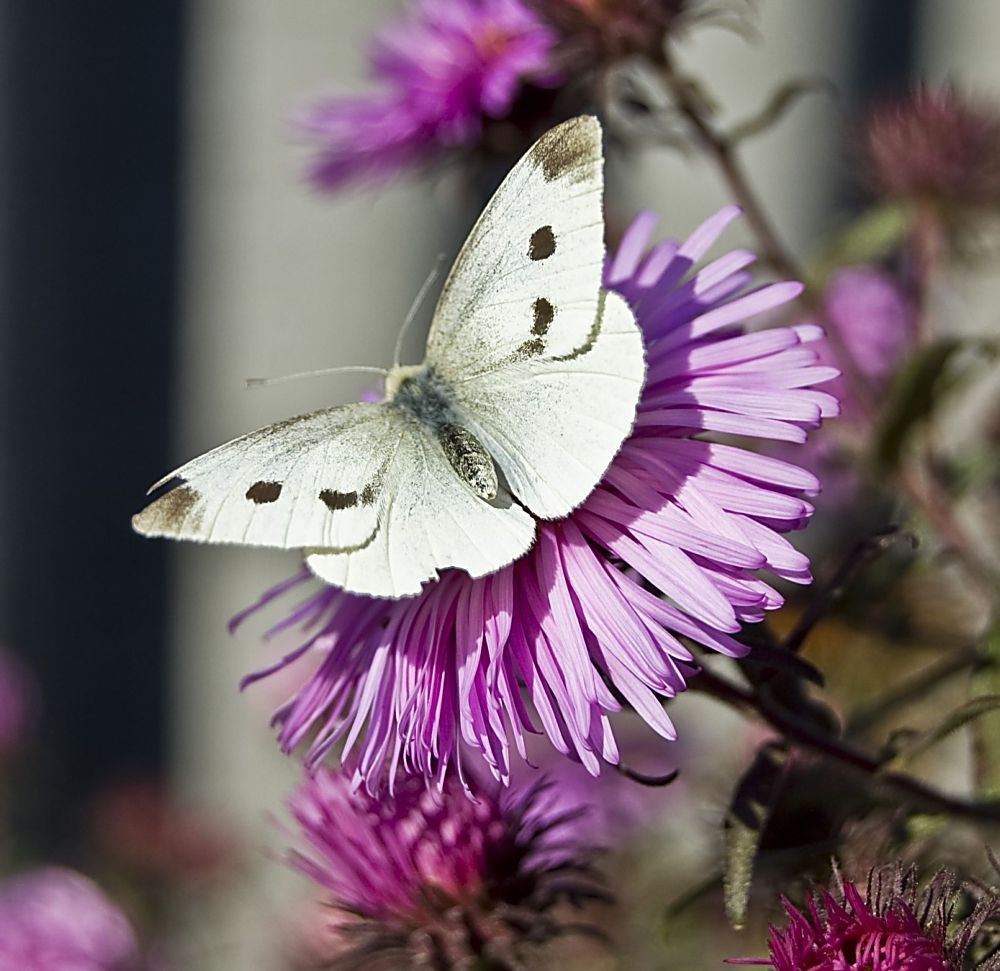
column 91, row 99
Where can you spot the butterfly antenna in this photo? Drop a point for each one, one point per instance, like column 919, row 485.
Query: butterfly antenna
column 415, row 306
column 349, row 369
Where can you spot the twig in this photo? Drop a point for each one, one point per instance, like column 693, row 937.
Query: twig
column 724, row 153
column 913, row 688
column 830, row 592
column 807, row 736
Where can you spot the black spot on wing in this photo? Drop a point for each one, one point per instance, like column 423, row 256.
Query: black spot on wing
column 171, row 513
column 369, row 494
column 531, row 348
column 334, row 500
column 542, row 243
column 544, row 313
column 264, row 492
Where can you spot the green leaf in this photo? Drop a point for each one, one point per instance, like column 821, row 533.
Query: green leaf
column 931, row 373
column 778, row 106
column 872, row 237
column 746, row 819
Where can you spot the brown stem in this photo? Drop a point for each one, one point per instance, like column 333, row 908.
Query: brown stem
column 783, row 262
column 914, row 688
column 804, row 735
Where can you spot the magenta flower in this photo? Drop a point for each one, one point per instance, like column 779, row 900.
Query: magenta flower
column 451, row 65
column 895, row 926
column 436, row 877
column 57, row 920
column 667, row 546
column 875, row 320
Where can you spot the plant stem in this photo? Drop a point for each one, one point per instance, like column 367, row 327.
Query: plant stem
column 810, row 737
column 781, row 260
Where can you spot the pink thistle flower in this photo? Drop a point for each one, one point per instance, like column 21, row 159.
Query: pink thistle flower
column 55, row 920
column 598, row 31
column 936, row 145
column 876, row 321
column 894, row 926
column 667, row 546
column 435, row 876
column 449, row 67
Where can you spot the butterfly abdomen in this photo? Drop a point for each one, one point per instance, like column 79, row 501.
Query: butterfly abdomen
column 423, row 396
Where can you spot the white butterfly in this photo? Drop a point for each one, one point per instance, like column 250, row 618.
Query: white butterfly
column 528, row 389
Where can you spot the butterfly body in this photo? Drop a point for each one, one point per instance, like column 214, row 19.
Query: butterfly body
column 422, row 395
column 528, row 388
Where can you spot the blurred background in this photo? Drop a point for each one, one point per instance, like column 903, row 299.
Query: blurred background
column 158, row 246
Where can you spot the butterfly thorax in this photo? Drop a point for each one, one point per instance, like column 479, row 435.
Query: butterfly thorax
column 425, row 397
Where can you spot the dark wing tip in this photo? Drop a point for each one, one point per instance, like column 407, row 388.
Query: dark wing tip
column 569, row 150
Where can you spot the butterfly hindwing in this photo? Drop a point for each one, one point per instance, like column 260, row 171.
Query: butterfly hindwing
column 431, row 520
column 553, row 423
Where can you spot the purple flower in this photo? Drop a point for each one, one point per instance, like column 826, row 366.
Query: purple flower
column 451, row 65
column 875, row 320
column 435, row 876
column 57, row 920
column 894, row 926
column 938, row 146
column 667, row 546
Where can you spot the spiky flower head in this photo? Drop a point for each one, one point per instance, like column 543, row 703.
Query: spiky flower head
column 607, row 30
column 432, row 878
column 938, row 147
column 54, row 919
column 895, row 925
column 667, row 546
column 446, row 69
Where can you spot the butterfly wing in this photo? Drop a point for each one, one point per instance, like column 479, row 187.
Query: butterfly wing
column 554, row 422
column 431, row 520
column 545, row 367
column 362, row 486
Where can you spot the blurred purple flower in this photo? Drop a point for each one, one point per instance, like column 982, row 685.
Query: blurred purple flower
column 18, row 702
column 446, row 68
column 936, row 146
column 435, row 877
column 873, row 317
column 894, row 926
column 58, row 920
column 575, row 620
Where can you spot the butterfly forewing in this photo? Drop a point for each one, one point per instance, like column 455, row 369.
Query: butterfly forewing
column 527, row 278
column 316, row 480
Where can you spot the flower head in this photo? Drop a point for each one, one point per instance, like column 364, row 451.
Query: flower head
column 667, row 546
column 936, row 146
column 433, row 874
column 449, row 67
column 605, row 30
column 54, row 919
column 894, row 926
column 874, row 318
